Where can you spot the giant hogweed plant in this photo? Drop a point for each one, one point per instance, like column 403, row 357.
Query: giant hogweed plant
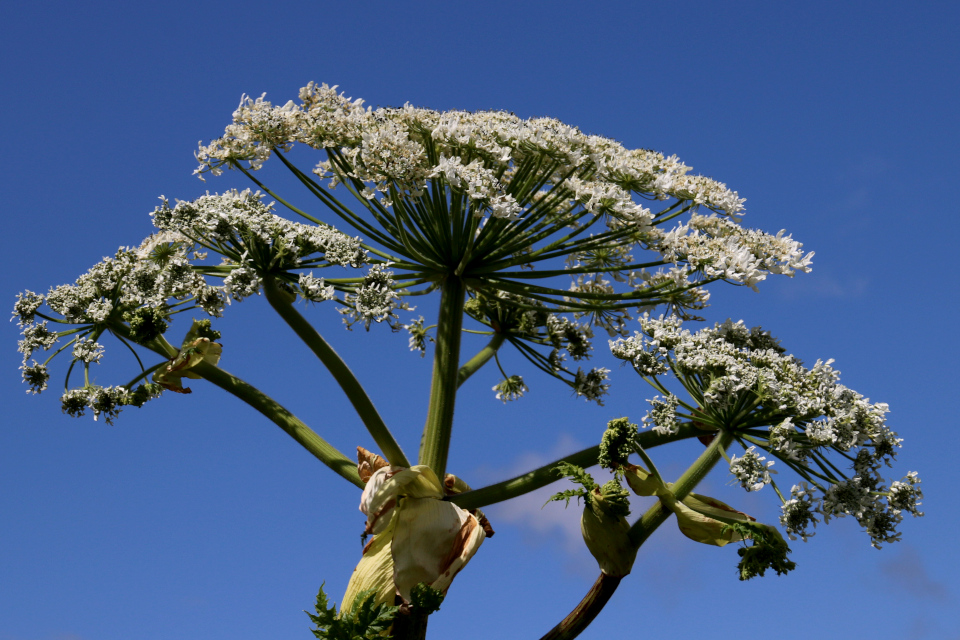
column 537, row 238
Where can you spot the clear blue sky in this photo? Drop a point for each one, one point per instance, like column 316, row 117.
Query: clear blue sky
column 196, row 518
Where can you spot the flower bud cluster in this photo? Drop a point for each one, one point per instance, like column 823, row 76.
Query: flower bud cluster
column 510, row 388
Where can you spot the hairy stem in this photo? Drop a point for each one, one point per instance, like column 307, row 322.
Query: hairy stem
column 435, row 444
column 584, row 613
column 483, row 357
column 340, row 371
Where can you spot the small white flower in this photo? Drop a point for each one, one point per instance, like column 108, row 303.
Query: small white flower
column 87, row 350
column 750, row 470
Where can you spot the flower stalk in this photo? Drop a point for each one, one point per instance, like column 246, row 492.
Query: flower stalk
column 272, row 410
column 435, row 443
column 339, row 370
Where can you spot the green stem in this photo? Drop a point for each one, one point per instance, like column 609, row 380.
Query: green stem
column 274, row 411
column 658, row 514
column 435, row 444
column 482, row 358
column 339, row 370
column 547, row 474
column 307, row 437
column 598, row 596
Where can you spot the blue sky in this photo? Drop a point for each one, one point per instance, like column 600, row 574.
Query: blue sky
column 196, row 518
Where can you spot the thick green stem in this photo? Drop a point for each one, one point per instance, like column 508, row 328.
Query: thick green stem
column 435, row 444
column 274, row 411
column 483, row 357
column 584, row 613
column 658, row 514
column 307, row 437
column 339, row 370
column 547, row 474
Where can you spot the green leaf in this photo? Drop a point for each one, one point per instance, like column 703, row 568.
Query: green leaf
column 363, row 621
column 425, row 599
column 579, row 476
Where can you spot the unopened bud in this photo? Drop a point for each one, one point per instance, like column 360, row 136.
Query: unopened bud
column 606, row 531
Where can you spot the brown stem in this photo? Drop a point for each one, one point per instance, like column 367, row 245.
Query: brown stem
column 410, row 626
column 591, row 605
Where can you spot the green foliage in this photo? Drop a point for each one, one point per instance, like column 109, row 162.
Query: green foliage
column 363, row 621
column 146, row 323
column 425, row 599
column 768, row 551
column 617, row 443
column 579, row 476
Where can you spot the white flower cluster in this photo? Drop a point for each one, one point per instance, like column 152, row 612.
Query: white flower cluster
column 155, row 277
column 105, row 401
column 610, row 199
column 663, row 415
column 724, row 249
column 736, row 363
column 743, row 381
column 241, row 222
column 35, row 336
column 388, row 146
column 126, row 281
column 573, row 337
column 592, row 385
column 36, row 375
column 480, row 185
column 87, row 350
column 315, row 289
column 511, row 388
column 799, row 512
column 374, row 300
column 418, row 336
column 26, row 306
column 750, row 470
column 243, row 281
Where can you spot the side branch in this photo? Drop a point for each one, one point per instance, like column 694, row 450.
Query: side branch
column 340, row 371
column 273, row 410
column 279, row 415
column 658, row 514
column 546, row 474
column 483, row 357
